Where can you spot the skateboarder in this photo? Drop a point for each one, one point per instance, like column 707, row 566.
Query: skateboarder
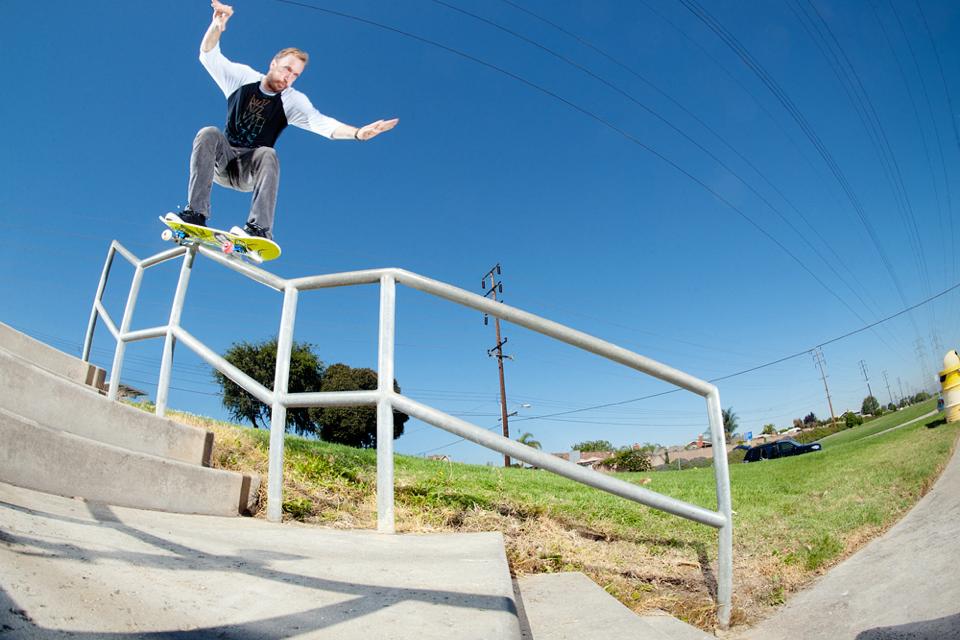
column 259, row 107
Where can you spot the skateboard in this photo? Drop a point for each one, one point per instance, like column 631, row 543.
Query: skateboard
column 254, row 249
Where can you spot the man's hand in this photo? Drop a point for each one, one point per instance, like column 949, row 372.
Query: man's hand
column 221, row 13
column 374, row 129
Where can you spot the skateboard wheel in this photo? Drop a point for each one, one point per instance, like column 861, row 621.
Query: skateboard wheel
column 167, row 235
column 227, row 248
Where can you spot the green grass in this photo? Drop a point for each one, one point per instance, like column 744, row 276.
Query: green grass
column 793, row 517
column 882, row 423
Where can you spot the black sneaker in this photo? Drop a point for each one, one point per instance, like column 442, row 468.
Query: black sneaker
column 189, row 217
column 253, row 229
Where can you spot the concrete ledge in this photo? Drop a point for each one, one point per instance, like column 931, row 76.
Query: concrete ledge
column 37, row 394
column 570, row 606
column 53, row 360
column 38, row 457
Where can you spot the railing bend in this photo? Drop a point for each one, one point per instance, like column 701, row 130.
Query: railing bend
column 386, row 400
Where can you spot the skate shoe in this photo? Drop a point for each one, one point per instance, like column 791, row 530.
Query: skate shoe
column 250, row 230
column 188, row 216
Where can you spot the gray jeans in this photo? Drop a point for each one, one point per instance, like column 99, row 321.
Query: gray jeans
column 240, row 168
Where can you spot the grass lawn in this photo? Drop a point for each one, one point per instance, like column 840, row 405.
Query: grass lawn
column 794, row 517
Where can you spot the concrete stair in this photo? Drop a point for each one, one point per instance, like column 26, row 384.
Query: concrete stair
column 62, row 436
column 570, row 606
column 53, row 360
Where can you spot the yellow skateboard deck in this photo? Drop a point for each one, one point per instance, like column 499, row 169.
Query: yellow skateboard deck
column 253, row 248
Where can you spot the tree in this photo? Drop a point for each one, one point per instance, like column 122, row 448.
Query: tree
column 729, row 422
column 810, row 419
column 870, row 406
column 593, row 445
column 259, row 362
column 353, row 426
column 769, row 429
column 527, row 439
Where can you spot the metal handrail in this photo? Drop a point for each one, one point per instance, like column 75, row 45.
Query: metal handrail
column 387, row 400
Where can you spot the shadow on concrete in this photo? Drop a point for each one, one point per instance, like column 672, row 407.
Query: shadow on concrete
column 947, row 628
column 248, row 562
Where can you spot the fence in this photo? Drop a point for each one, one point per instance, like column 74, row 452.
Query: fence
column 386, row 399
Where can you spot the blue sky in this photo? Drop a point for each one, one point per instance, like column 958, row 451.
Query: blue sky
column 713, row 198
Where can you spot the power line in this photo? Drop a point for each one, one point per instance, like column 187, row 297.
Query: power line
column 598, row 119
column 761, row 366
column 850, row 81
column 687, row 137
column 731, row 41
column 923, row 139
column 706, row 126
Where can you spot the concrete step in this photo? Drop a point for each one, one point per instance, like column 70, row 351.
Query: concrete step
column 53, row 360
column 76, row 569
column 50, row 400
column 39, row 457
column 570, row 606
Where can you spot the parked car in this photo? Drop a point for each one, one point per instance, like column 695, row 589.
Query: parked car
column 779, row 449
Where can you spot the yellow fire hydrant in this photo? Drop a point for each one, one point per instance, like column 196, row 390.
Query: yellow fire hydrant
column 950, row 382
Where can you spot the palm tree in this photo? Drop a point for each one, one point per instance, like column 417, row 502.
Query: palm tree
column 527, row 439
column 729, row 422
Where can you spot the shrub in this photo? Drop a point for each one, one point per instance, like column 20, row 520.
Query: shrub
column 851, row 419
column 629, row 460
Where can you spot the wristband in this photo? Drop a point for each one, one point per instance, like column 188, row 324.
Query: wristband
column 356, row 135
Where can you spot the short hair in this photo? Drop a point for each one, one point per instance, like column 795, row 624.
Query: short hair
column 299, row 53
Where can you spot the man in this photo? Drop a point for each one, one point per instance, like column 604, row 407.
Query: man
column 259, row 107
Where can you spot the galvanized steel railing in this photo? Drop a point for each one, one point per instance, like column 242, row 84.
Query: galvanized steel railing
column 386, row 399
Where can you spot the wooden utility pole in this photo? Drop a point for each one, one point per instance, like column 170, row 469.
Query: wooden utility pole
column 497, row 287
column 818, row 358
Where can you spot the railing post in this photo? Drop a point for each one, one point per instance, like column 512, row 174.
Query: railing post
column 724, row 506
column 388, row 297
column 92, row 324
column 278, row 413
column 176, row 310
column 124, row 328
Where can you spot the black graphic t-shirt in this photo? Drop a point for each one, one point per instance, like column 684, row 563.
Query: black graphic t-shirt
column 256, row 118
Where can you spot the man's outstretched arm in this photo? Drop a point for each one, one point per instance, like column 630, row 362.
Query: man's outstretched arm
column 372, row 130
column 221, row 13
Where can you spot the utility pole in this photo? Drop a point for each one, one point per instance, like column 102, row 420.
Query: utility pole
column 863, row 368
column 900, row 384
column 495, row 287
column 888, row 386
column 924, row 366
column 819, row 359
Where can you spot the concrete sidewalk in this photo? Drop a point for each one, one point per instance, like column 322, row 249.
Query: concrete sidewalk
column 70, row 568
column 904, row 585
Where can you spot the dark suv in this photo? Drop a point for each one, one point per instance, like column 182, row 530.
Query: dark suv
column 779, row 449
